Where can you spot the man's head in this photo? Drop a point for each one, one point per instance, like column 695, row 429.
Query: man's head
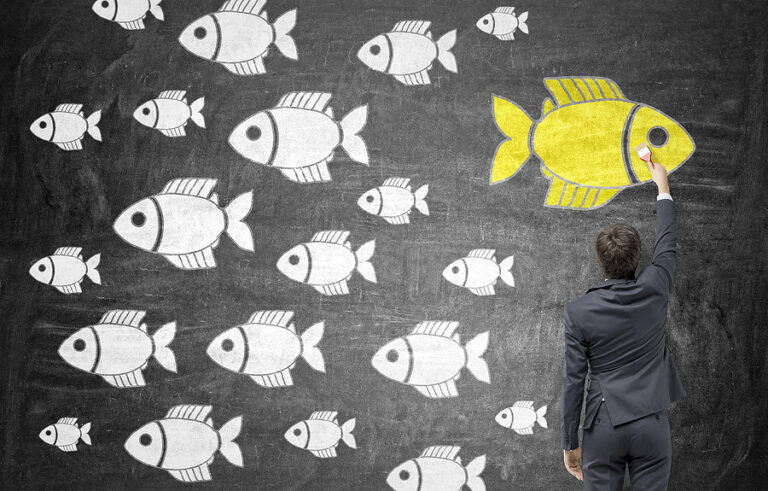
column 618, row 251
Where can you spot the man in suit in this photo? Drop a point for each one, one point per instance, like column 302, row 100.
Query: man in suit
column 616, row 331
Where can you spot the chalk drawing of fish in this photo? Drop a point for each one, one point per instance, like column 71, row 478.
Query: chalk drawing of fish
column 66, row 126
column 65, row 269
column 65, row 434
column 394, row 200
column 438, row 468
column 321, row 434
column 503, row 23
column 169, row 113
column 521, row 417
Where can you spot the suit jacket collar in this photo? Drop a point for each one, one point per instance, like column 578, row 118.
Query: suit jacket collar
column 609, row 283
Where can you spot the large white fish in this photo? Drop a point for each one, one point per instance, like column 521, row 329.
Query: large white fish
column 184, row 223
column 119, row 347
column 65, row 269
column 66, row 126
column 299, row 135
column 326, row 262
column 170, row 112
column 521, row 417
column 479, row 271
column 438, row 469
column 408, row 51
column 239, row 36
column 321, row 433
column 129, row 14
column 431, row 358
column 266, row 348
column 64, row 434
column 503, row 23
column 394, row 200
column 184, row 443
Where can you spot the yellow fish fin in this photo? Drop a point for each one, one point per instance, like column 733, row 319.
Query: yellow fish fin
column 565, row 194
column 599, row 88
column 604, row 196
column 547, row 107
column 515, row 124
column 547, row 173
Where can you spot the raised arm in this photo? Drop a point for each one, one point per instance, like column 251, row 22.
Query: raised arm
column 665, row 250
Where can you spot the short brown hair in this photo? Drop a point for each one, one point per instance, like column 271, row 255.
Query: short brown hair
column 618, row 251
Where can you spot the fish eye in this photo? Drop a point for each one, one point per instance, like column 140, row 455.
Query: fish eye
column 294, row 259
column 79, row 345
column 253, row 133
column 369, row 198
column 658, row 136
column 455, row 270
column 297, row 432
column 404, row 475
column 375, row 49
column 200, row 32
column 48, row 432
column 145, row 111
column 392, row 356
column 138, row 219
column 503, row 415
column 104, row 4
column 227, row 345
column 145, row 439
column 41, row 268
column 43, row 124
column 485, row 21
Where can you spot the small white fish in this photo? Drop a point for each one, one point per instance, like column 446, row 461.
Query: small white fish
column 321, row 433
column 129, row 14
column 118, row 348
column 431, row 358
column 394, row 200
column 503, row 23
column 266, row 348
column 184, row 443
column 184, row 223
column 327, row 261
column 65, row 434
column 170, row 112
column 299, row 135
column 479, row 271
column 66, row 126
column 521, row 417
column 408, row 51
column 239, row 36
column 65, row 269
column 438, row 469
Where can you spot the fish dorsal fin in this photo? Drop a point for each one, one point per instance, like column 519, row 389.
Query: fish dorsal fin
column 131, row 318
column 482, row 253
column 329, row 112
column 209, row 422
column 176, row 95
column 324, row 416
column 264, row 15
column 192, row 186
column 315, row 101
column 505, row 10
column 142, row 327
column 67, row 421
column 457, row 460
column 70, row 108
column 525, row 404
column 244, row 6
column 69, row 251
column 397, row 182
column 571, row 90
column 547, row 107
column 445, row 329
column 272, row 317
column 414, row 26
column 191, row 412
column 331, row 236
column 214, row 197
column 447, row 452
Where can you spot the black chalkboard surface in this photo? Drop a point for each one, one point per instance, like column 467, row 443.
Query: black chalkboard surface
column 702, row 63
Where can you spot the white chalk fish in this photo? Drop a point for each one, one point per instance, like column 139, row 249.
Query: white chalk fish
column 184, row 443
column 326, row 262
column 119, row 347
column 521, row 417
column 266, row 348
column 321, row 433
column 479, row 271
column 431, row 358
column 299, row 135
column 408, row 51
column 438, row 469
column 503, row 23
column 66, row 126
column 128, row 14
column 65, row 269
column 65, row 434
column 170, row 112
column 239, row 36
column 394, row 200
column 184, row 223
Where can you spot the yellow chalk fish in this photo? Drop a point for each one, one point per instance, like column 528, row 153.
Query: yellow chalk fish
column 585, row 141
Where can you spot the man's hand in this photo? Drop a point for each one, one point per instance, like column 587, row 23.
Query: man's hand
column 572, row 460
column 659, row 176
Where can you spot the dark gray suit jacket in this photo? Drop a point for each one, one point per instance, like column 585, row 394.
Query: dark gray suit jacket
column 618, row 329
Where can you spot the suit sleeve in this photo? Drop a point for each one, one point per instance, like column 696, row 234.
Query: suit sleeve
column 574, row 376
column 665, row 251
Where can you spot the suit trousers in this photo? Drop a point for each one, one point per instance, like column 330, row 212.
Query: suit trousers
column 644, row 444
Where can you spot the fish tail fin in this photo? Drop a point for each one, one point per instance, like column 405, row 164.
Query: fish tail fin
column 475, row 363
column 90, row 268
column 283, row 39
column 364, row 266
column 421, row 203
column 237, row 229
column 474, row 469
column 444, row 55
column 521, row 22
column 92, row 121
column 311, row 353
column 229, row 449
column 155, row 9
column 352, row 124
column 84, row 436
column 540, row 416
column 506, row 271
column 197, row 116
column 515, row 124
column 346, row 433
column 163, row 354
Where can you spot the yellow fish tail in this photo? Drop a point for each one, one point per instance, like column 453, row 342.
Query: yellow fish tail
column 515, row 124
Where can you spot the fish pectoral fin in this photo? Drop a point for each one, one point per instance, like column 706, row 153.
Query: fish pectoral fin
column 69, row 448
column 524, row 431
column 174, row 132
column 70, row 289
column 439, row 391
column 250, row 67
column 312, row 173
column 193, row 474
column 196, row 260
column 339, row 288
column 506, row 37
column 400, row 219
column 73, row 145
column 484, row 291
column 133, row 25
column 418, row 78
column 277, row 379
column 328, row 453
column 124, row 380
